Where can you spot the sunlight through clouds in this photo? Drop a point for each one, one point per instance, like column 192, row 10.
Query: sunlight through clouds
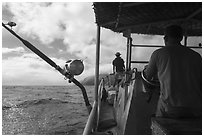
column 71, row 23
column 30, row 69
column 9, row 50
column 39, row 20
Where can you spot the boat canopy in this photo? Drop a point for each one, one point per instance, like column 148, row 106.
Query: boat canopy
column 149, row 17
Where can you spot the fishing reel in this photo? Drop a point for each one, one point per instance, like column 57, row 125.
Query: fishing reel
column 74, row 67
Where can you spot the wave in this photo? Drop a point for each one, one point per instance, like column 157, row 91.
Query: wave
column 30, row 103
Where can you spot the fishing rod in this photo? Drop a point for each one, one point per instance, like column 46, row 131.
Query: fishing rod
column 64, row 72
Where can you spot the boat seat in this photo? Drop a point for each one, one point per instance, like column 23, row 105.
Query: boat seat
column 107, row 117
column 167, row 126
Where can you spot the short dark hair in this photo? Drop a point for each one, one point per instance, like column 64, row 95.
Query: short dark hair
column 174, row 31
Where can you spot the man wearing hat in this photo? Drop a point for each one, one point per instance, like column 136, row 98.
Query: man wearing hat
column 179, row 70
column 118, row 68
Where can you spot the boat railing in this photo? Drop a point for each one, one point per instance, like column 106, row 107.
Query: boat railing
column 100, row 90
column 154, row 46
column 159, row 46
column 90, row 124
column 95, row 113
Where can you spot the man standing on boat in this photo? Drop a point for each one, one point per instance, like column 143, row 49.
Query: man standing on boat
column 179, row 70
column 118, row 68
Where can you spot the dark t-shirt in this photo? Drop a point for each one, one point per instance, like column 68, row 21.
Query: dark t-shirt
column 119, row 63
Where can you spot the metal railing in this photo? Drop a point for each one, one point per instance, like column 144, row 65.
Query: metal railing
column 93, row 120
column 100, row 90
column 90, row 124
column 154, row 46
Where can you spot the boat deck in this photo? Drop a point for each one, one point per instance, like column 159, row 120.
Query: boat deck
column 107, row 117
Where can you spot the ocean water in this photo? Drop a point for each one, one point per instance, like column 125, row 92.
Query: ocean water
column 44, row 110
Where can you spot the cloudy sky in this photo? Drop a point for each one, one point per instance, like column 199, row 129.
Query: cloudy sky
column 62, row 31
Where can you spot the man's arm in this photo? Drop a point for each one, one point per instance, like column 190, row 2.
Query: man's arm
column 151, row 70
column 114, row 69
column 123, row 65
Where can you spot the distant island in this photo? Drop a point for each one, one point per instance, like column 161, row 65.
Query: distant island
column 90, row 80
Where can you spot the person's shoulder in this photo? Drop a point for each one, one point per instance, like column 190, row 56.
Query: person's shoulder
column 157, row 51
column 121, row 59
column 191, row 50
column 161, row 49
column 160, row 53
column 114, row 60
column 195, row 53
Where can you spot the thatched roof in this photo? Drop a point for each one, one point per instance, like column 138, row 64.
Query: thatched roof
column 149, row 17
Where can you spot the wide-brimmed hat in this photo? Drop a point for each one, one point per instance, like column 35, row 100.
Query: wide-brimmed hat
column 117, row 54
